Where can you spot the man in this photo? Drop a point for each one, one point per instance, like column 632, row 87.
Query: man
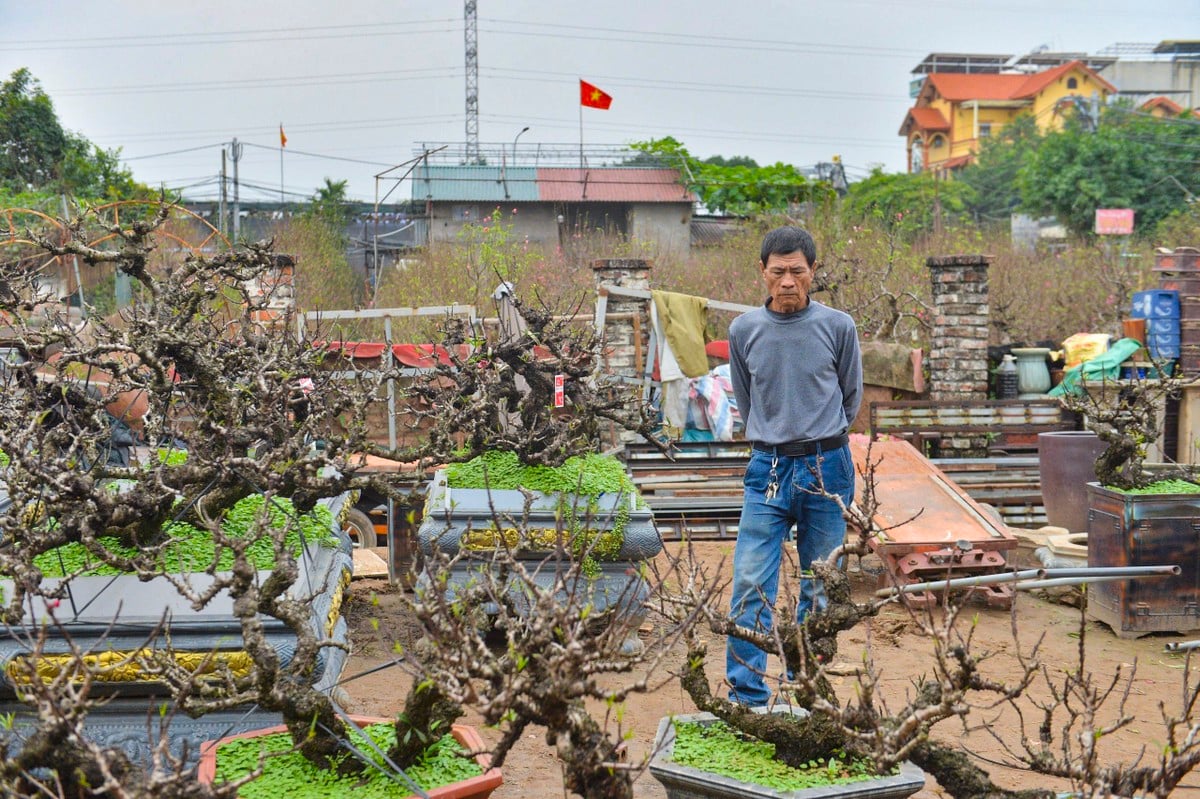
column 797, row 376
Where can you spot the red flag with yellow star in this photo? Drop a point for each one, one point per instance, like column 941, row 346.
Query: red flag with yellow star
column 593, row 97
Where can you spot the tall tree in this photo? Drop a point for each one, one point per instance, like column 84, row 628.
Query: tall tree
column 32, row 142
column 37, row 155
column 737, row 185
column 993, row 176
column 909, row 202
column 1131, row 160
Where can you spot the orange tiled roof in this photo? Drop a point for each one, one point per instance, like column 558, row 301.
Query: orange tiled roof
column 961, row 86
column 1165, row 103
column 958, row 87
column 924, row 119
column 1040, row 80
column 953, row 163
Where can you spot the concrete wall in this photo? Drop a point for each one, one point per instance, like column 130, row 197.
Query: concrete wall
column 1152, row 78
column 668, row 226
column 536, row 221
column 665, row 227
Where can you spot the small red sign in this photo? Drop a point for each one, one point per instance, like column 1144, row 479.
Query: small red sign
column 1114, row 221
column 560, row 398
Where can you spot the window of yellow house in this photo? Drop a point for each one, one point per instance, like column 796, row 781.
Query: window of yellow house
column 1072, row 83
column 985, row 129
column 938, row 141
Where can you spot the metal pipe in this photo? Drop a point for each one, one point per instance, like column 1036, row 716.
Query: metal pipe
column 1029, row 585
column 1181, row 646
column 962, row 582
column 1113, row 570
column 1046, row 578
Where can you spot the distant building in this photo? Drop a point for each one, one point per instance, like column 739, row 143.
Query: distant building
column 1168, row 70
column 964, row 98
column 550, row 204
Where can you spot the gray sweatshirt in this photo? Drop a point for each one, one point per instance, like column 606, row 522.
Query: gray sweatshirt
column 798, row 376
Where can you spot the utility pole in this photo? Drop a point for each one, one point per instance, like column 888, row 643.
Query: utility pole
column 471, row 40
column 235, row 153
column 222, row 220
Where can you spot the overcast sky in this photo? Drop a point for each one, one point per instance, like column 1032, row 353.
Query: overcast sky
column 369, row 81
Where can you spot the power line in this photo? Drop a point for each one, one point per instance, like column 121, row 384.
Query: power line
column 703, row 40
column 711, row 132
column 311, row 127
column 319, row 155
column 719, row 88
column 231, row 37
column 172, row 152
column 255, row 83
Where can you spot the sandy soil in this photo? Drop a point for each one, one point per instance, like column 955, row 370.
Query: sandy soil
column 894, row 643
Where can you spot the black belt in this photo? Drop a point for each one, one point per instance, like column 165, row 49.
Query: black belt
column 799, row 449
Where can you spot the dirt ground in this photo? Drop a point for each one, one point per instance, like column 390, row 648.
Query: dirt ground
column 532, row 770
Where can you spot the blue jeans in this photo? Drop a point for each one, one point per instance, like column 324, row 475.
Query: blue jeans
column 764, row 526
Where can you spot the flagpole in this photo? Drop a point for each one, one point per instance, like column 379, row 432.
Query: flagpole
column 281, row 176
column 581, row 134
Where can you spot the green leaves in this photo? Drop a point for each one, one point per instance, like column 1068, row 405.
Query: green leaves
column 192, row 549
column 290, row 775
column 717, row 748
column 736, row 185
column 589, row 475
column 1130, row 161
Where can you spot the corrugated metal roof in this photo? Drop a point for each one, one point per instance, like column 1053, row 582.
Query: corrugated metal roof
column 474, row 183
column 614, row 184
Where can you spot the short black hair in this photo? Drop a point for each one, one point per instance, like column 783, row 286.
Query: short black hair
column 787, row 240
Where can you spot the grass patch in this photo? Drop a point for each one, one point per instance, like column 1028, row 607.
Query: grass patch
column 292, row 776
column 191, row 549
column 1162, row 487
column 717, row 748
column 590, row 475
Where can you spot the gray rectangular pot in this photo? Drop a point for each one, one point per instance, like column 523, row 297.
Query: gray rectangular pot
column 117, row 613
column 688, row 782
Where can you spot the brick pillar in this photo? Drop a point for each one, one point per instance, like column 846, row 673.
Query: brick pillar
column 626, row 318
column 958, row 350
column 626, row 324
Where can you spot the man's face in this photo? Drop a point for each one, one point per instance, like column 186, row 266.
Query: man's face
column 788, row 278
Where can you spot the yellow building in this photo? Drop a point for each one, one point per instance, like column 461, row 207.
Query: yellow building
column 955, row 111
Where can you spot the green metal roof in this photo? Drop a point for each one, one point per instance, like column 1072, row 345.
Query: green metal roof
column 474, row 183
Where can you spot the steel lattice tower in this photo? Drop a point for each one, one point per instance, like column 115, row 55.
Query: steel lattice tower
column 471, row 40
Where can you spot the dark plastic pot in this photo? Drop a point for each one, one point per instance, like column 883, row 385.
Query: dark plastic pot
column 1067, row 463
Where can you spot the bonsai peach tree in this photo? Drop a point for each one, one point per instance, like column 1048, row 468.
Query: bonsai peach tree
column 201, row 355
column 1063, row 725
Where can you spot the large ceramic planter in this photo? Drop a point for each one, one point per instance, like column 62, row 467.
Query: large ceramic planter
column 688, row 782
column 453, row 513
column 1145, row 530
column 479, row 787
column 116, row 614
column 1066, row 464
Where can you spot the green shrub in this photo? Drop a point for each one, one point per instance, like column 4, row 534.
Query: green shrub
column 293, row 776
column 192, row 549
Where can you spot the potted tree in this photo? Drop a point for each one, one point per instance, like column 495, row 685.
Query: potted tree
column 212, row 632
column 1138, row 513
column 518, row 422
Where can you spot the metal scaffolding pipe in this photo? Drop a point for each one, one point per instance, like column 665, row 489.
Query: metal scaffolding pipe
column 1032, row 578
column 1113, row 570
column 962, row 582
column 1058, row 582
